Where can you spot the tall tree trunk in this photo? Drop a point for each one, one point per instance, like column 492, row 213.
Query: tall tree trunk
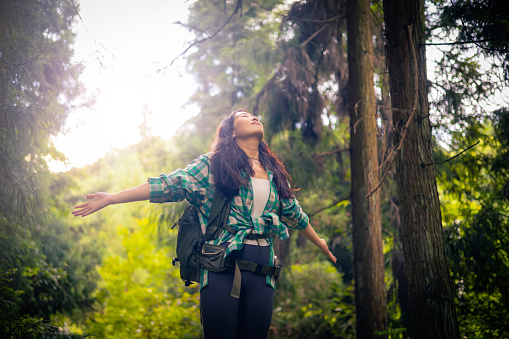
column 432, row 306
column 398, row 261
column 370, row 300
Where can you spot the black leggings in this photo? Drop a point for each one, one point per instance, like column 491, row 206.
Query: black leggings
column 249, row 316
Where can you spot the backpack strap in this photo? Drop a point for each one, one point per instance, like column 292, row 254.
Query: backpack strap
column 218, row 216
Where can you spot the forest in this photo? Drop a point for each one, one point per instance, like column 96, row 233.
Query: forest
column 406, row 175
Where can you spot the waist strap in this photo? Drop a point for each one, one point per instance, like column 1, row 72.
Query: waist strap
column 250, row 266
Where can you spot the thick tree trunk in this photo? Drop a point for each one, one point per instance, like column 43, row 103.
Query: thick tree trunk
column 432, row 306
column 370, row 300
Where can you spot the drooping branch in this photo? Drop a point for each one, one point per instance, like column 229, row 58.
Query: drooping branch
column 320, row 30
column 238, row 7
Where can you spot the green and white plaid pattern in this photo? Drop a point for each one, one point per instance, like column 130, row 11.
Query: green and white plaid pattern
column 195, row 183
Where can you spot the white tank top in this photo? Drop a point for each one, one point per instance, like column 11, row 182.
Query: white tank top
column 261, row 192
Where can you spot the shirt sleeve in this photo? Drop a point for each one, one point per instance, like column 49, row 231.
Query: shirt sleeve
column 292, row 214
column 190, row 183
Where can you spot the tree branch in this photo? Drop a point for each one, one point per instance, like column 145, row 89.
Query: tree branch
column 328, row 206
column 458, row 42
column 457, row 155
column 312, row 36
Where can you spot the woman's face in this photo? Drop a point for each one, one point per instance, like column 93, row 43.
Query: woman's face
column 247, row 125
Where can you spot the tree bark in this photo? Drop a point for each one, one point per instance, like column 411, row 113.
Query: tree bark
column 370, row 298
column 432, row 306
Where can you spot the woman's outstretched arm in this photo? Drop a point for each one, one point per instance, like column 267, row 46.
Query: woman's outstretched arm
column 100, row 200
column 310, row 234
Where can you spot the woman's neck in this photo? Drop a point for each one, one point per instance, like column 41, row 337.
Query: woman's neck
column 250, row 147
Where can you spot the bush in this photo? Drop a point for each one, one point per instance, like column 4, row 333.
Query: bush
column 312, row 302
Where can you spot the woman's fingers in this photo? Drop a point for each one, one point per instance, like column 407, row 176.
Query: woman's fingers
column 327, row 252
column 94, row 204
column 80, row 210
column 81, row 206
column 331, row 256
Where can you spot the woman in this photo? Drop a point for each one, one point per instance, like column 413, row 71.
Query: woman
column 244, row 169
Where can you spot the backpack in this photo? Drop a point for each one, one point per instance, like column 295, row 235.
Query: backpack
column 190, row 238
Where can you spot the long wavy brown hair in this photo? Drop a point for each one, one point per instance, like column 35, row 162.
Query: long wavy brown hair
column 229, row 161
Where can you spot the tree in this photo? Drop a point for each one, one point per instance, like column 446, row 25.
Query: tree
column 432, row 306
column 35, row 70
column 368, row 256
column 37, row 85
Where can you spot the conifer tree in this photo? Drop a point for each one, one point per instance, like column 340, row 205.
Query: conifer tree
column 37, row 85
column 432, row 305
column 370, row 300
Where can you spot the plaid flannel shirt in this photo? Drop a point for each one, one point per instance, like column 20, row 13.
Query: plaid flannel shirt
column 195, row 184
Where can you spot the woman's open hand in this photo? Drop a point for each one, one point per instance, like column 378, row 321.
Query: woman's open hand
column 310, row 234
column 96, row 202
column 325, row 249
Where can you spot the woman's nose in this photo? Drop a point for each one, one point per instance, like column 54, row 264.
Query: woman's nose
column 255, row 118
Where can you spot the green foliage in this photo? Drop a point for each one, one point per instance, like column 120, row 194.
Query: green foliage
column 36, row 78
column 393, row 333
column 35, row 285
column 223, row 65
column 136, row 290
column 317, row 165
column 38, row 86
column 313, row 303
column 464, row 86
column 142, row 295
column 48, row 273
column 484, row 23
column 309, row 78
column 118, row 261
column 473, row 187
column 471, row 74
column 478, row 251
column 476, row 215
column 15, row 325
